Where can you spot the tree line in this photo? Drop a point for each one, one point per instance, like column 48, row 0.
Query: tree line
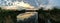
column 10, row 15
column 53, row 15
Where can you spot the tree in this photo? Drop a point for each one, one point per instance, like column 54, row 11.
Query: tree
column 9, row 16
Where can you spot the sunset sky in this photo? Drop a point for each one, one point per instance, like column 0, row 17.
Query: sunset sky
column 33, row 2
column 29, row 3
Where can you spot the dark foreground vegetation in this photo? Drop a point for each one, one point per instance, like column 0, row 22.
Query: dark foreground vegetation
column 44, row 16
column 49, row 16
column 9, row 16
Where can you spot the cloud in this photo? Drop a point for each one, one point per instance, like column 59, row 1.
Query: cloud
column 45, row 4
column 18, row 5
column 49, row 5
column 22, row 4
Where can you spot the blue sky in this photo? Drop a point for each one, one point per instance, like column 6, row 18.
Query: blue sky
column 33, row 2
column 36, row 2
column 55, row 2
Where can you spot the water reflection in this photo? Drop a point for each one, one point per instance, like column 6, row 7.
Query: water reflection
column 28, row 17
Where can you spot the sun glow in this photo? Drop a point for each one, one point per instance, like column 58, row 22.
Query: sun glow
column 22, row 4
column 18, row 5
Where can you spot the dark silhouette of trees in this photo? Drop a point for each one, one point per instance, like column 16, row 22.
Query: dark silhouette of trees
column 9, row 16
column 49, row 14
column 55, row 13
